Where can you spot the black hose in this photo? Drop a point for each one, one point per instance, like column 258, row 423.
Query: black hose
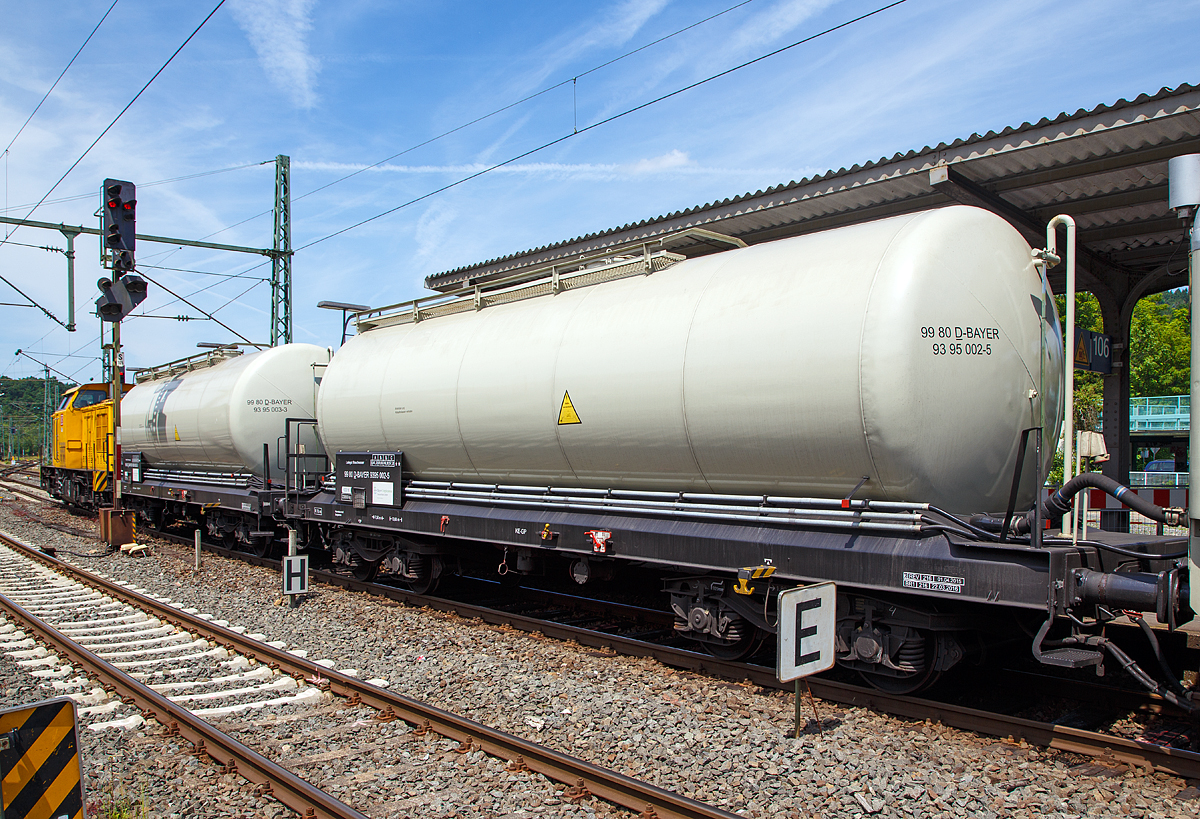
column 1060, row 502
column 1145, row 679
column 969, row 525
column 1108, row 547
column 1172, row 680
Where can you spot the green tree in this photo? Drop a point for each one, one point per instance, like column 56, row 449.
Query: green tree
column 21, row 413
column 1160, row 345
column 1089, row 387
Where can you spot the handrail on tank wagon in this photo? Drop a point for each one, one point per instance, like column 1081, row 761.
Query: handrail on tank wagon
column 633, row 258
column 208, row 358
column 291, row 488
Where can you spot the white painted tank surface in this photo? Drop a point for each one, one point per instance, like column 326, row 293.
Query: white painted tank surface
column 219, row 417
column 912, row 351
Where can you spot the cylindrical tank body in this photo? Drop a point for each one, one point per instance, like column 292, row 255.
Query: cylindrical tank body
column 219, row 417
column 911, row 351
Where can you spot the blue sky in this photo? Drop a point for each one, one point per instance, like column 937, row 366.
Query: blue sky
column 340, row 86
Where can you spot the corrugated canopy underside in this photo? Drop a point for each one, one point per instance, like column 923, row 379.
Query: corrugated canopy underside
column 1106, row 167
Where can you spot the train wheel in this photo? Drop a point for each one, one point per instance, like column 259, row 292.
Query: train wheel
column 917, row 655
column 426, row 584
column 736, row 651
column 260, row 546
column 424, row 572
column 365, row 570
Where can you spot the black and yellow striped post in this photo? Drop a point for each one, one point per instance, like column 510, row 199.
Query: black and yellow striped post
column 39, row 762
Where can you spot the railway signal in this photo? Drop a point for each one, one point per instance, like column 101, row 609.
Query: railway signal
column 118, row 222
column 119, row 298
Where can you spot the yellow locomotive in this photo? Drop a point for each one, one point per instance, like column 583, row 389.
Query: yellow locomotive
column 81, row 461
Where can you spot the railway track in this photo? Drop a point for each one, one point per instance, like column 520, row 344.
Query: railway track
column 24, row 489
column 1175, row 761
column 71, row 599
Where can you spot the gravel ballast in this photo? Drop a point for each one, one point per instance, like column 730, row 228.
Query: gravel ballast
column 724, row 743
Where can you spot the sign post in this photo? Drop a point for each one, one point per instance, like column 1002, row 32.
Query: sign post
column 807, row 619
column 294, row 600
column 295, row 572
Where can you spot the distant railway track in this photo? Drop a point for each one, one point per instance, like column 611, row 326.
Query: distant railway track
column 582, row 778
column 1178, row 762
column 11, row 485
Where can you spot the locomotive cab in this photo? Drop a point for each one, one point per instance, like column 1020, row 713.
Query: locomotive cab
column 81, row 457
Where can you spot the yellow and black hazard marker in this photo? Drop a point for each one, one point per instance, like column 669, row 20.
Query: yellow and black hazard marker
column 751, row 573
column 39, row 762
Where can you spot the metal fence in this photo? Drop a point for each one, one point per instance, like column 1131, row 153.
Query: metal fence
column 1159, row 412
column 1164, row 479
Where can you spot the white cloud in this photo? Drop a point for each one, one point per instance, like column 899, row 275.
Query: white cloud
column 433, row 228
column 769, row 25
column 673, row 162
column 614, row 28
column 278, row 29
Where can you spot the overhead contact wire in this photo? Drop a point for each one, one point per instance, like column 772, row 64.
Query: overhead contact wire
column 604, row 121
column 500, row 110
column 60, row 76
column 116, row 118
column 199, row 310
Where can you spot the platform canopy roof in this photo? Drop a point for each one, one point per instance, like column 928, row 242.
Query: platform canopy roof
column 1106, row 167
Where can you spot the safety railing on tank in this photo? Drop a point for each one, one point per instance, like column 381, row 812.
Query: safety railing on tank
column 198, row 361
column 637, row 258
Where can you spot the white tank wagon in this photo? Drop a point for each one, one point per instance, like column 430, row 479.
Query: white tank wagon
column 911, row 351
column 219, row 417
column 702, row 427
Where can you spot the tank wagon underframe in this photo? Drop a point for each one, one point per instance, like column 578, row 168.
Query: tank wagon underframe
column 926, row 566
column 911, row 605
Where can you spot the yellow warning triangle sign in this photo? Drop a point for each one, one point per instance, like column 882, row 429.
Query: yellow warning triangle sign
column 1081, row 353
column 567, row 413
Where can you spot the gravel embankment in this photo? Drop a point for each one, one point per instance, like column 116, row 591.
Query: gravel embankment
column 719, row 742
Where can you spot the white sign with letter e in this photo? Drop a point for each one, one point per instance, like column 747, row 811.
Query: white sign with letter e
column 295, row 574
column 807, row 618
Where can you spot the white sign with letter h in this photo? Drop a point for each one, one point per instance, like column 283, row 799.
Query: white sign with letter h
column 295, row 574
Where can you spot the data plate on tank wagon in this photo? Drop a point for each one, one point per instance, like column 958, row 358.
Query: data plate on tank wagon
column 132, row 467
column 369, row 479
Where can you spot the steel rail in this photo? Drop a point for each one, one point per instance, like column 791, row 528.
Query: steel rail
column 303, row 797
column 583, row 778
column 1174, row 761
column 6, row 483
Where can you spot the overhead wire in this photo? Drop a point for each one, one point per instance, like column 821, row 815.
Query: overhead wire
column 119, row 115
column 500, row 110
column 496, row 112
column 605, row 121
column 46, row 96
column 201, row 272
column 199, row 310
column 82, row 196
column 74, row 164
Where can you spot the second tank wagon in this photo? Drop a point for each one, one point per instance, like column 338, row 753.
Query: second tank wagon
column 910, row 352
column 831, row 407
